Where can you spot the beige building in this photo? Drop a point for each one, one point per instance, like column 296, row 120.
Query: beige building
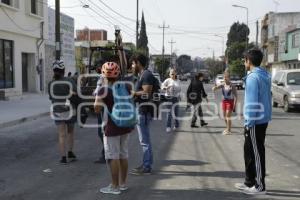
column 23, row 28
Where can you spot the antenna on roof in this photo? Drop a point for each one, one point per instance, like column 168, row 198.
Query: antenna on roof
column 276, row 5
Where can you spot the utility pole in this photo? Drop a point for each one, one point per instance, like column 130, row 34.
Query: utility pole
column 163, row 45
column 171, row 42
column 137, row 23
column 57, row 30
column 257, row 32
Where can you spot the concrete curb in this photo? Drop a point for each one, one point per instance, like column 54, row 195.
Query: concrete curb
column 23, row 120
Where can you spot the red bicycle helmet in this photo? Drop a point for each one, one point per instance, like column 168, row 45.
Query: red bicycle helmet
column 111, row 70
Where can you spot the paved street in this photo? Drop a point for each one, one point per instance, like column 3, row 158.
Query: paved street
column 189, row 164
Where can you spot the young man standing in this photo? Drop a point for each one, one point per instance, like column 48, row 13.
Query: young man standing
column 257, row 114
column 142, row 94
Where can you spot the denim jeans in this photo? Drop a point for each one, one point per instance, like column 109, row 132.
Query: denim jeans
column 143, row 128
column 172, row 110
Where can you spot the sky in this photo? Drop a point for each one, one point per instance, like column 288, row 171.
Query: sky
column 193, row 24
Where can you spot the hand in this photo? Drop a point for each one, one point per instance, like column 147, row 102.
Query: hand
column 133, row 93
column 97, row 109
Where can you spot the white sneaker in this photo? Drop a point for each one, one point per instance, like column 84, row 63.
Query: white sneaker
column 241, row 186
column 110, row 190
column 254, row 191
column 168, row 130
column 175, row 128
column 123, row 187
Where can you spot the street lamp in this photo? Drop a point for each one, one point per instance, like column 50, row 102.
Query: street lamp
column 243, row 7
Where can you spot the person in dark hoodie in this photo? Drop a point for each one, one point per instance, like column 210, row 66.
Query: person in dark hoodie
column 195, row 93
column 257, row 114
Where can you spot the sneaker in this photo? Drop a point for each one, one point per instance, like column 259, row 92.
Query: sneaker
column 194, row 126
column 241, row 186
column 71, row 156
column 225, row 132
column 168, row 130
column 100, row 161
column 136, row 169
column 175, row 128
column 254, row 191
column 204, row 124
column 123, row 187
column 63, row 160
column 142, row 171
column 110, row 190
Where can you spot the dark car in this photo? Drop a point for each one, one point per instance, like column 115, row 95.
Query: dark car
column 237, row 81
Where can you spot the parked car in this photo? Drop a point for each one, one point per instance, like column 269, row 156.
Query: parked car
column 184, row 78
column 219, row 79
column 238, row 82
column 286, row 89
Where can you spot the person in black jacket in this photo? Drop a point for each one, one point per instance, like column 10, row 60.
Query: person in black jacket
column 195, row 93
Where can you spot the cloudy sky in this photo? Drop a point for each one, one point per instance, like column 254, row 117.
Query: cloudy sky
column 193, row 24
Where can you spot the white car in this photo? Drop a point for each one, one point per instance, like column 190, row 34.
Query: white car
column 219, row 79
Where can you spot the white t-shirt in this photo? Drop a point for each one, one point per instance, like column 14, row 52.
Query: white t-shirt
column 171, row 87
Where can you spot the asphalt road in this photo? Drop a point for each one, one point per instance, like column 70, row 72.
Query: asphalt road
column 189, row 164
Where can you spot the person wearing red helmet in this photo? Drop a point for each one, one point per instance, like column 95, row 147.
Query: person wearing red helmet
column 115, row 138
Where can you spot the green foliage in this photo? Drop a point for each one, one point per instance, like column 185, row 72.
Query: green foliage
column 162, row 67
column 237, row 33
column 185, row 64
column 214, row 66
column 80, row 66
column 237, row 67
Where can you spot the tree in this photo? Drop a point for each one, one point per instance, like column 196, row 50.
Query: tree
column 142, row 44
column 237, row 67
column 214, row 66
column 161, row 66
column 237, row 33
column 184, row 63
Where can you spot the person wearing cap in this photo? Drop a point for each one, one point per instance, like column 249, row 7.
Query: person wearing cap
column 61, row 89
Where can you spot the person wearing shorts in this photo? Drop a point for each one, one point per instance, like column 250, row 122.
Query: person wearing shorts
column 229, row 100
column 63, row 110
column 115, row 138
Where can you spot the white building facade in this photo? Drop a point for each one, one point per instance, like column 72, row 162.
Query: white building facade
column 23, row 29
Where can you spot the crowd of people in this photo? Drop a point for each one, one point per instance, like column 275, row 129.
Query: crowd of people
column 115, row 134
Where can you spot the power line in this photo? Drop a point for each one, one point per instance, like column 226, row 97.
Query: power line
column 116, row 12
column 105, row 19
column 129, row 28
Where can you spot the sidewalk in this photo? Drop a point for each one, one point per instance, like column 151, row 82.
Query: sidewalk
column 29, row 107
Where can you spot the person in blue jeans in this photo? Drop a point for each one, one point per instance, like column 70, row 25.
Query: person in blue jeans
column 142, row 94
column 100, row 82
column 172, row 89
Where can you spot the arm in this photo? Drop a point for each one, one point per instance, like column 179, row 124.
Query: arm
column 146, row 90
column 235, row 96
column 216, row 87
column 251, row 107
column 97, row 105
column 204, row 95
column 164, row 85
